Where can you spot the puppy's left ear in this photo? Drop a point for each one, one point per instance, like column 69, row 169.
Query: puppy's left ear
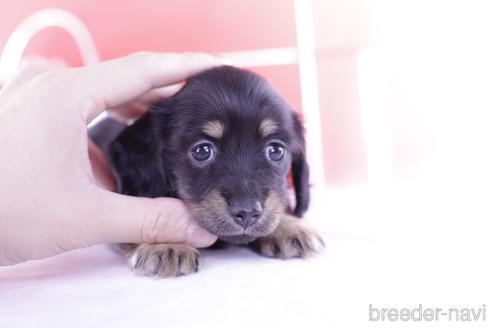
column 300, row 168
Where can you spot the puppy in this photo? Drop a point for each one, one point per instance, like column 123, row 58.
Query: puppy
column 224, row 144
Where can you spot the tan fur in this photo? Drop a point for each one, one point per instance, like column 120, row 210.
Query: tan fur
column 274, row 208
column 214, row 129
column 215, row 202
column 207, row 211
column 290, row 239
column 164, row 260
column 213, row 213
column 212, row 206
column 267, row 127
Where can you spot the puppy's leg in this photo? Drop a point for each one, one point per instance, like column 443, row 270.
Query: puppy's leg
column 161, row 260
column 290, row 239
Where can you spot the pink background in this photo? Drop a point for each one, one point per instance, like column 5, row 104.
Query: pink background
column 429, row 65
column 122, row 27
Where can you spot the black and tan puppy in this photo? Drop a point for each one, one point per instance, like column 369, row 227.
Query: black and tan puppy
column 224, row 144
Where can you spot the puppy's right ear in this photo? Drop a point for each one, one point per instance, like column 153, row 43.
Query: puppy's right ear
column 135, row 156
column 300, row 169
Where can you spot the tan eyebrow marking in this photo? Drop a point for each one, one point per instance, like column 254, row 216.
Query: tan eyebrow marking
column 214, row 129
column 267, row 127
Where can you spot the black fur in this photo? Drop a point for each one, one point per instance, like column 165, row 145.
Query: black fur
column 152, row 157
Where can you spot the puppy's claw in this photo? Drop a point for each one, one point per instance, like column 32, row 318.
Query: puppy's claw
column 290, row 241
column 165, row 260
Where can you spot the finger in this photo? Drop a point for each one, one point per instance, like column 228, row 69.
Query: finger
column 25, row 75
column 139, row 106
column 30, row 71
column 120, row 218
column 128, row 112
column 159, row 94
column 116, row 82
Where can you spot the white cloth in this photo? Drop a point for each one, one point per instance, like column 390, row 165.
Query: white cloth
column 382, row 249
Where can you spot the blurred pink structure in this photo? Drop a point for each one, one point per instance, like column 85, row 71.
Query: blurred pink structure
column 381, row 67
column 216, row 26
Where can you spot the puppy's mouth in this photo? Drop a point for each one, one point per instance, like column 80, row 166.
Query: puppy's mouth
column 239, row 239
column 234, row 234
column 225, row 229
column 212, row 214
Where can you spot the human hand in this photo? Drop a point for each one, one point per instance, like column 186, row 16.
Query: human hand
column 50, row 201
column 127, row 113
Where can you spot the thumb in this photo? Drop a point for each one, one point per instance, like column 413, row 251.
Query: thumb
column 127, row 219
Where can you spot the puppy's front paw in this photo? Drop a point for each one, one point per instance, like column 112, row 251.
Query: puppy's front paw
column 289, row 240
column 165, row 260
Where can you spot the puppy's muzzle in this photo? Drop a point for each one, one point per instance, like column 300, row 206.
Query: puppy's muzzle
column 245, row 213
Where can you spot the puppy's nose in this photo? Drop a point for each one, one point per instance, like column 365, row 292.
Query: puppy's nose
column 246, row 215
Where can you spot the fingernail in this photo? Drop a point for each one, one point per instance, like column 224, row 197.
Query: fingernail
column 221, row 59
column 226, row 60
column 199, row 237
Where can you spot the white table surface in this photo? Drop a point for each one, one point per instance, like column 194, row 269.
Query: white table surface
column 393, row 248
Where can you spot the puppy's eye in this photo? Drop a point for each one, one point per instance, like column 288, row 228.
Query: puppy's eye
column 275, row 151
column 202, row 152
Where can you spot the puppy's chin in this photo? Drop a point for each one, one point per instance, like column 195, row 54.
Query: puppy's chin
column 232, row 233
column 238, row 239
column 226, row 230
column 212, row 214
column 264, row 227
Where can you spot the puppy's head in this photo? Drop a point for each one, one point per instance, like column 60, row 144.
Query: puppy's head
column 225, row 144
